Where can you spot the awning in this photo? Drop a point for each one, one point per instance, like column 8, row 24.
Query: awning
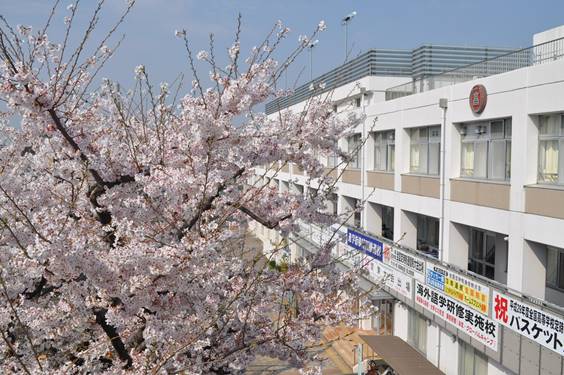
column 404, row 359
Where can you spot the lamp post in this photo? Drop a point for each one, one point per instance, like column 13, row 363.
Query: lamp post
column 310, row 47
column 443, row 104
column 345, row 22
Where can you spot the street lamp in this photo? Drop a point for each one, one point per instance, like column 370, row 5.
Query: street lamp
column 310, row 47
column 345, row 22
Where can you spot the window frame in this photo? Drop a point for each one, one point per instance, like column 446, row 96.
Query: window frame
column 354, row 142
column 559, row 272
column 479, row 135
column 481, row 260
column 427, row 141
column 424, row 222
column 559, row 139
column 384, row 146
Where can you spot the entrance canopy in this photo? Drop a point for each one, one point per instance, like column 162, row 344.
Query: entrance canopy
column 404, row 359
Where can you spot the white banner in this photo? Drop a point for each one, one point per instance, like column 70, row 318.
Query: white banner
column 530, row 321
column 393, row 279
column 474, row 324
column 404, row 262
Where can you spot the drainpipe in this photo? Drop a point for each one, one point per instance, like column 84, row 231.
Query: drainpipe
column 443, row 104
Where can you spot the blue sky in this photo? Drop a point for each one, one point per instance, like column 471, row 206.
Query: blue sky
column 149, row 30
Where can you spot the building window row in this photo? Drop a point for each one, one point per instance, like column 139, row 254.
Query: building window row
column 485, row 150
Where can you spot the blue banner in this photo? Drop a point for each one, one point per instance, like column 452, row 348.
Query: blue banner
column 368, row 245
column 435, row 279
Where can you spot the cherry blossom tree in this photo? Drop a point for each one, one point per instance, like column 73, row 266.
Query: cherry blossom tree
column 124, row 221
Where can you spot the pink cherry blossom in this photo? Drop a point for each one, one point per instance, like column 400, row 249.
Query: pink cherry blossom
column 127, row 218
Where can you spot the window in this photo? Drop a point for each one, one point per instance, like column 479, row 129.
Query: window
column 428, row 235
column 551, row 141
column 424, row 153
column 471, row 362
column 486, row 150
column 481, row 259
column 355, row 149
column 384, row 151
column 555, row 267
column 333, row 158
column 357, row 102
column 388, row 222
column 298, row 189
column 357, row 219
column 332, row 204
column 417, row 331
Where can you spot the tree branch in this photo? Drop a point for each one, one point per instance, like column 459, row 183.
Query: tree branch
column 266, row 223
column 114, row 336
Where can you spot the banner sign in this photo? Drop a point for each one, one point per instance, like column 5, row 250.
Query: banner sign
column 370, row 246
column 404, row 262
column 530, row 321
column 392, row 278
column 476, row 325
column 461, row 288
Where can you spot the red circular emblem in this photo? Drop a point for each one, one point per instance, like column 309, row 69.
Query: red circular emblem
column 478, row 98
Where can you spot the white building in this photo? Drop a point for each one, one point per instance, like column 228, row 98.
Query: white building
column 479, row 277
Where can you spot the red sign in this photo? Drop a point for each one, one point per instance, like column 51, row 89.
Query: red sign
column 478, row 98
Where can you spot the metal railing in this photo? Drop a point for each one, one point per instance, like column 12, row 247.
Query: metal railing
column 372, row 62
column 534, row 55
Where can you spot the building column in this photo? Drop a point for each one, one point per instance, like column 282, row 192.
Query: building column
column 527, row 267
column 406, row 234
column 458, row 245
column 373, row 214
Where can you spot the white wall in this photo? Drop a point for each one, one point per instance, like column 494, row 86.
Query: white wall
column 548, row 35
column 448, row 356
column 400, row 320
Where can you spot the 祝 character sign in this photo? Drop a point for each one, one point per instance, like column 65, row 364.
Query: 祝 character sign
column 530, row 321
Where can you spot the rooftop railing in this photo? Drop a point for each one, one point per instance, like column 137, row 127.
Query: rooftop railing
column 372, row 62
column 535, row 55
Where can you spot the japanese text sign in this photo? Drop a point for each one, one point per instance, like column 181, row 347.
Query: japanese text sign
column 476, row 325
column 367, row 245
column 404, row 262
column 393, row 279
column 530, row 321
column 461, row 288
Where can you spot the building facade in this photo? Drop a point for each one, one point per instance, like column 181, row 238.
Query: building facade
column 462, row 185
